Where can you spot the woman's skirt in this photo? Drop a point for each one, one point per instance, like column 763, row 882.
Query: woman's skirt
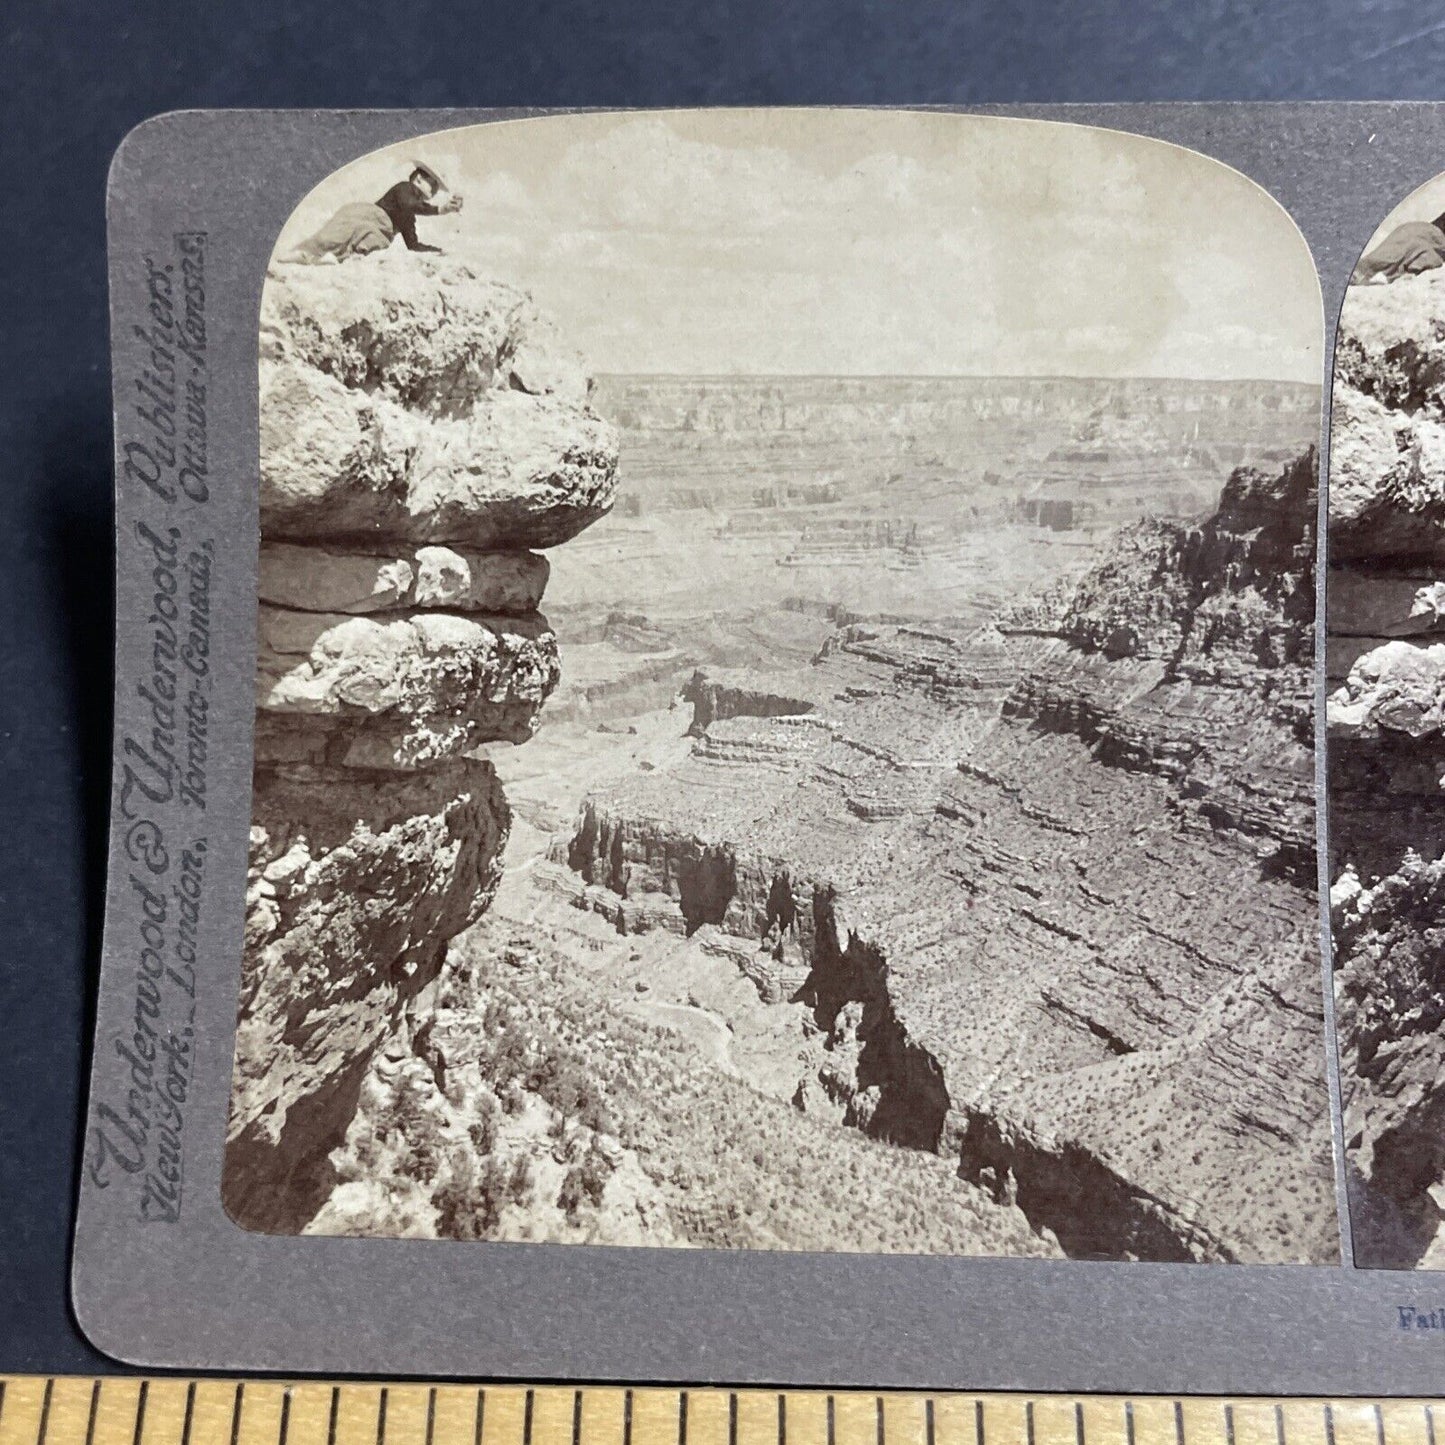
column 354, row 230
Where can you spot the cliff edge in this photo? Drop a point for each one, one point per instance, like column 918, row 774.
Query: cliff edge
column 1386, row 741
column 422, row 430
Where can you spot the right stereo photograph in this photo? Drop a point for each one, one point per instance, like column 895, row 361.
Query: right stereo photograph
column 1386, row 734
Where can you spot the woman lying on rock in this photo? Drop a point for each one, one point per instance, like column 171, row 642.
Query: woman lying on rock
column 360, row 228
column 1409, row 249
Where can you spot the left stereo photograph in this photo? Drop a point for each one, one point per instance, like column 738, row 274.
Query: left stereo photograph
column 784, row 697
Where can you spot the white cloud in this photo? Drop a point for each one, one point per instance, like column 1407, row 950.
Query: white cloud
column 857, row 241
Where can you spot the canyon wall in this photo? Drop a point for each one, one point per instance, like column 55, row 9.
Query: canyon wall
column 1386, row 740
column 1047, row 891
column 843, row 405
column 915, row 465
column 422, row 430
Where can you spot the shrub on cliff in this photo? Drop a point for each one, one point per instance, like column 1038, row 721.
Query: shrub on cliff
column 483, row 1131
column 410, row 1128
column 585, row 1183
column 469, row 1204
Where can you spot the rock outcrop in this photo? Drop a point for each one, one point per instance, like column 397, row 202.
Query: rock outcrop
column 723, row 692
column 422, row 431
column 1386, row 741
column 1047, row 890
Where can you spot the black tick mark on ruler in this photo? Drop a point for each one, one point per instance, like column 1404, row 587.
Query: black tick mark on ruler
column 95, row 1405
column 140, row 1409
column 45, row 1414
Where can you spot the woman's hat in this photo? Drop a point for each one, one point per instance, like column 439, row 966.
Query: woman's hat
column 431, row 175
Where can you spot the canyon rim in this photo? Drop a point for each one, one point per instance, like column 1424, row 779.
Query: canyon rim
column 785, row 709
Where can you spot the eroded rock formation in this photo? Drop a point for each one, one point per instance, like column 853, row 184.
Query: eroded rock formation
column 421, row 431
column 1386, row 724
column 1048, row 890
column 722, row 692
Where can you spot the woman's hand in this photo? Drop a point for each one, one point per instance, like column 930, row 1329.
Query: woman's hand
column 452, row 203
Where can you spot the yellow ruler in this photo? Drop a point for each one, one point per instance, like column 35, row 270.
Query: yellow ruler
column 35, row 1410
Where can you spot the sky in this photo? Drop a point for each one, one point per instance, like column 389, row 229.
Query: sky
column 855, row 242
column 1424, row 203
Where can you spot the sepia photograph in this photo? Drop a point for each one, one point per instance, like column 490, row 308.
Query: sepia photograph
column 785, row 700
column 1386, row 735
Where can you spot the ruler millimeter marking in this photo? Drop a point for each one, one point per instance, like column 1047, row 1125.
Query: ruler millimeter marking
column 36, row 1410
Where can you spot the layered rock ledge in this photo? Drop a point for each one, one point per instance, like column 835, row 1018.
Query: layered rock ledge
column 315, row 579
column 422, row 432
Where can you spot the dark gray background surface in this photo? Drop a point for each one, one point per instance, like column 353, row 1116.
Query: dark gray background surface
column 75, row 77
